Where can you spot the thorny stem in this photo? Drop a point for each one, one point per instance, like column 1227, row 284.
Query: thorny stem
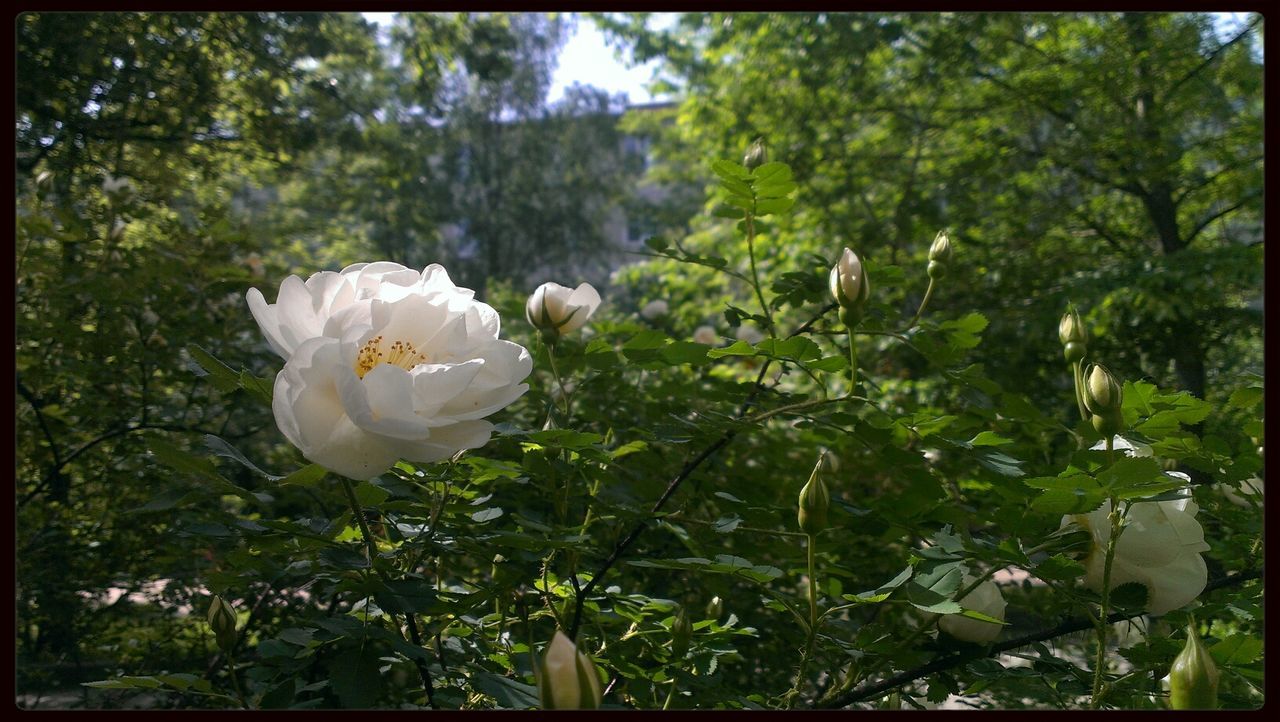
column 1100, row 661
column 372, row 548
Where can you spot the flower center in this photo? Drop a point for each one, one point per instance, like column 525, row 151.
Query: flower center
column 400, row 353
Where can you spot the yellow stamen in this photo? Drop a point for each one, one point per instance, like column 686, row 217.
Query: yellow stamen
column 400, row 353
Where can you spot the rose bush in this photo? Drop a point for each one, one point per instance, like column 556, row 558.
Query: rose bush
column 384, row 363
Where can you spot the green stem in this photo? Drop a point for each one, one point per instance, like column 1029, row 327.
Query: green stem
column 853, row 363
column 928, row 294
column 812, row 635
column 670, row 695
column 1099, row 665
column 235, row 680
column 755, row 277
column 372, row 548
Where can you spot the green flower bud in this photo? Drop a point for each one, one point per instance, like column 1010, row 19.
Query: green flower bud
column 1074, row 351
column 1193, row 679
column 681, row 634
column 715, row 608
column 757, row 155
column 567, row 677
column 222, row 620
column 814, row 501
column 936, row 269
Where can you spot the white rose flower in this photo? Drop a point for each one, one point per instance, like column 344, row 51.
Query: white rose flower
column 1249, row 488
column 561, row 309
column 116, row 186
column 707, row 335
column 385, row 363
column 654, row 309
column 750, row 334
column 985, row 598
column 1159, row 548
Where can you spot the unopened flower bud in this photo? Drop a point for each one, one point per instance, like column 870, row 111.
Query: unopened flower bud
column 814, row 501
column 1071, row 334
column 715, row 608
column 556, row 310
column 757, row 155
column 567, row 677
column 1103, row 397
column 681, row 633
column 849, row 287
column 222, row 620
column 1193, row 679
column 939, row 255
column 44, row 179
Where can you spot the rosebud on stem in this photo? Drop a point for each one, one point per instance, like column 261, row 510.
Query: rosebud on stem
column 757, row 155
column 1104, row 398
column 814, row 501
column 681, row 633
column 939, row 256
column 1193, row 679
column 567, row 677
column 222, row 620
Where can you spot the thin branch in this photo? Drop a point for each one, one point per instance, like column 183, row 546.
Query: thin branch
column 1215, row 216
column 685, row 472
column 1212, row 57
column 1069, row 626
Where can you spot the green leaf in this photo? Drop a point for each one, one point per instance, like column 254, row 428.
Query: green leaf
column 766, row 206
column 222, row 376
column 989, row 438
column 508, row 693
column 729, row 169
column 306, row 476
column 1238, row 649
column 1246, row 398
column 771, row 173
column 1059, row 567
column 738, row 348
column 686, row 352
column 657, row 243
column 227, row 451
column 489, row 514
column 355, row 678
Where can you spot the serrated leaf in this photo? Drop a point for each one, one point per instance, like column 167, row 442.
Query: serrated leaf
column 738, row 348
column 306, row 476
column 223, row 377
column 1059, row 567
column 1238, row 649
column 989, row 438
column 487, row 514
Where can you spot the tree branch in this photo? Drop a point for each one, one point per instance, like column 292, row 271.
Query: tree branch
column 1069, row 626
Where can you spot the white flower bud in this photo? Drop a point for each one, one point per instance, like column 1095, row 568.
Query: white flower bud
column 561, row 310
column 849, row 285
